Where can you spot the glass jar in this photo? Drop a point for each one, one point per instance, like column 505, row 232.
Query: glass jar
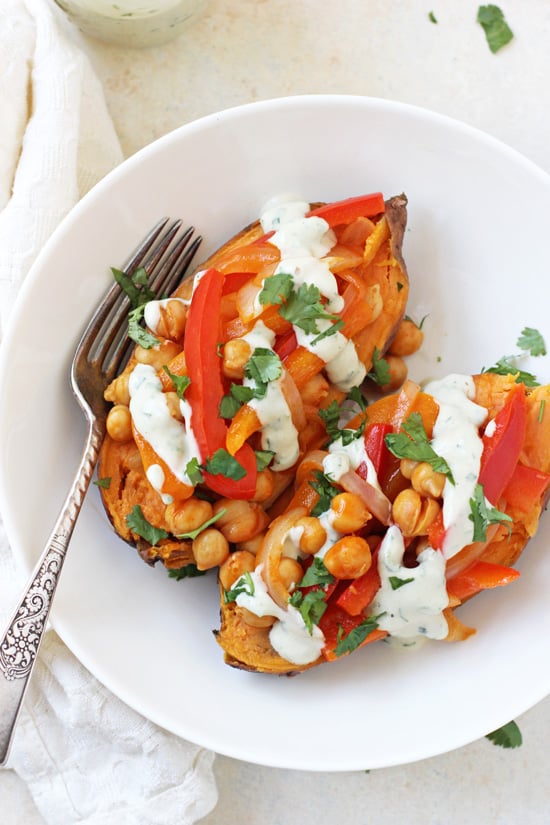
column 133, row 23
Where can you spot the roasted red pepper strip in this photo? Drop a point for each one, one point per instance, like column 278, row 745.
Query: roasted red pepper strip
column 347, row 211
column 501, row 450
column 526, row 487
column 481, row 575
column 205, row 391
column 336, row 622
column 375, row 445
column 360, row 592
column 286, row 344
column 436, row 532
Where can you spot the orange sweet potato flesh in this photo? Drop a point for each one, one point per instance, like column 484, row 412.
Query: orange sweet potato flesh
column 121, row 462
column 249, row 648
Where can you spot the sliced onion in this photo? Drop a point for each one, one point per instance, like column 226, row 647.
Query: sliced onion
column 294, row 401
column 271, row 551
column 469, row 554
column 375, row 500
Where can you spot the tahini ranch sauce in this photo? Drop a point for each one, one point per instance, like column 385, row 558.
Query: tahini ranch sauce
column 171, row 439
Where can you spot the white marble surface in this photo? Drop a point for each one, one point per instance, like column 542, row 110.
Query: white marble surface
column 247, row 50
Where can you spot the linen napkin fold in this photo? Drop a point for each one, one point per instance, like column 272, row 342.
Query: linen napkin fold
column 79, row 755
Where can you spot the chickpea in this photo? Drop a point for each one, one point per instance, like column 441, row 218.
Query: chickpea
column 349, row 558
column 350, row 513
column 242, row 520
column 407, row 466
column 427, row 481
column 414, row 514
column 313, row 534
column 119, row 424
column 264, row 485
column 173, row 403
column 234, row 566
column 253, row 620
column 408, row 338
column 252, row 545
column 236, row 353
column 210, row 549
column 398, row 373
column 184, row 516
column 291, row 572
column 118, row 391
column 173, row 316
column 157, row 356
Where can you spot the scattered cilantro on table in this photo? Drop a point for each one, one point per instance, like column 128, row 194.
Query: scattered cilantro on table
column 497, row 31
column 508, row 736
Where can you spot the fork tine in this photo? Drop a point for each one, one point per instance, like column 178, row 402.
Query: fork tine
column 164, row 279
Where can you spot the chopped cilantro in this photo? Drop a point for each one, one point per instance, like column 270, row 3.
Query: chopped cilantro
column 497, row 31
column 138, row 333
column 192, row 534
column 138, row 524
column 432, row 18
column 263, row 457
column 193, row 471
column 312, row 605
column 541, row 410
column 380, row 372
column 508, row 736
column 135, row 286
column 531, row 341
column 316, row 573
column 263, row 366
column 188, row 571
column 276, row 288
column 104, row 483
column 331, row 416
column 244, row 584
column 483, row 514
column 356, row 637
column 396, row 582
column 302, row 307
column 180, row 382
column 413, row 443
column 222, row 463
column 326, row 490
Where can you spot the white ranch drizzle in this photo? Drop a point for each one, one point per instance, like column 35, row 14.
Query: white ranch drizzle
column 456, row 438
column 289, row 635
column 278, row 431
column 172, row 440
column 415, row 608
column 303, row 242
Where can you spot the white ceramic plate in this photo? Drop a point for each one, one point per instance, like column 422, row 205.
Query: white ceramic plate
column 476, row 248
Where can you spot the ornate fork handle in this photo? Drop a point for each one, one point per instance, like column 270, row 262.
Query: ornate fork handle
column 20, row 642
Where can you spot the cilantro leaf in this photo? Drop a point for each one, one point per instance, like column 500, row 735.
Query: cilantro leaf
column 507, row 366
column 104, row 483
column 332, row 329
column 192, row 534
column 497, row 31
column 532, row 342
column 137, row 522
column 396, row 582
column 380, row 372
column 180, row 382
column 138, row 333
column 188, row 571
column 276, row 288
column 331, row 418
column 263, row 457
column 136, row 286
column 431, row 17
column 326, row 490
column 229, row 406
column 304, row 308
column 316, row 573
column 508, row 736
column 263, row 366
column 193, row 471
column 244, row 584
column 482, row 515
column 312, row 605
column 413, row 443
column 352, row 640
column 222, row 463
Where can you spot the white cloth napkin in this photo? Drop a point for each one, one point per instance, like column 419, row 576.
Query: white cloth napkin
column 80, row 755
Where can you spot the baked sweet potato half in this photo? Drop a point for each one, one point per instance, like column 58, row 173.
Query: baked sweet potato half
column 221, row 398
column 423, row 500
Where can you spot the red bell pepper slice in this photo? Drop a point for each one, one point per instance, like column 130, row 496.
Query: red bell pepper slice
column 526, row 488
column 348, row 210
column 375, row 445
column 436, row 532
column 233, row 281
column 286, row 344
column 334, row 622
column 206, row 391
column 481, row 575
column 360, row 592
column 501, row 450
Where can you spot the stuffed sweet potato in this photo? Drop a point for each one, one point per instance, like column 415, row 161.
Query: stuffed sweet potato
column 221, row 398
column 420, row 502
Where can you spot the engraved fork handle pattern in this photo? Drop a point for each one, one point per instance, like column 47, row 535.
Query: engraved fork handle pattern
column 21, row 641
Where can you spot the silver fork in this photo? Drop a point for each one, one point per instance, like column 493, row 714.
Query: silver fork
column 165, row 254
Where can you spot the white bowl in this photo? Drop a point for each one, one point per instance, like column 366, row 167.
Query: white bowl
column 477, row 257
